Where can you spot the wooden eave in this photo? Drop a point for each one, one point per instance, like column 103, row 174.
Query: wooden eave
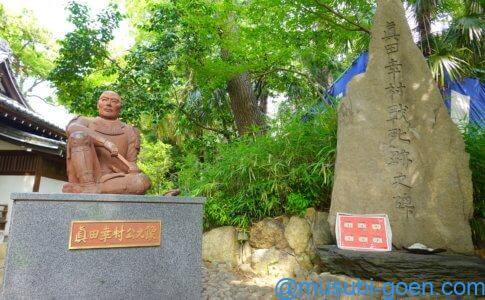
column 10, row 84
column 28, row 120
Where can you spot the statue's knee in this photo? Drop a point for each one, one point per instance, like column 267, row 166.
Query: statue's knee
column 79, row 138
column 138, row 183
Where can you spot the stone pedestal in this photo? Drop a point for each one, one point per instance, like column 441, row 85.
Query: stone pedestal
column 40, row 265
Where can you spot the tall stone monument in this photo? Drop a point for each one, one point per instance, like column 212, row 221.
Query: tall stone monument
column 398, row 151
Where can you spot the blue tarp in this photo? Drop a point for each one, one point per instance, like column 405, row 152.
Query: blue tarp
column 469, row 89
column 339, row 87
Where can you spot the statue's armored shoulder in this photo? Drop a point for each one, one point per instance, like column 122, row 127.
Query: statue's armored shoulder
column 132, row 131
column 81, row 120
column 133, row 135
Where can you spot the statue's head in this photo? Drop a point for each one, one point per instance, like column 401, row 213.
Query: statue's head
column 109, row 105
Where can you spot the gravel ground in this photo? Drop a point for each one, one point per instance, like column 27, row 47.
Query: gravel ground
column 221, row 282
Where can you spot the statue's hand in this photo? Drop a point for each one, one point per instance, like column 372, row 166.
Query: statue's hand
column 111, row 147
column 172, row 192
column 133, row 168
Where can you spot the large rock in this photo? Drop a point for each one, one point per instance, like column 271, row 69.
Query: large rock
column 274, row 262
column 245, row 252
column 403, row 266
column 297, row 233
column 304, row 261
column 220, row 245
column 398, row 151
column 320, row 229
column 268, row 233
column 284, row 219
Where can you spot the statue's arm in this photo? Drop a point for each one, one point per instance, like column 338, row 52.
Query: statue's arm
column 133, row 145
column 133, row 149
column 82, row 124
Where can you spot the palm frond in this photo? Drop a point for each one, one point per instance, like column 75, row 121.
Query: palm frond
column 473, row 7
column 447, row 60
column 471, row 27
column 423, row 7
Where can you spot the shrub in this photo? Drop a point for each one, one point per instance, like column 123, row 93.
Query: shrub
column 474, row 137
column 289, row 169
column 155, row 161
column 285, row 170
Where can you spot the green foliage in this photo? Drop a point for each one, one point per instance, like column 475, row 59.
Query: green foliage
column 296, row 204
column 31, row 46
column 457, row 52
column 155, row 161
column 285, row 170
column 186, row 51
column 84, row 67
column 288, row 170
column 474, row 137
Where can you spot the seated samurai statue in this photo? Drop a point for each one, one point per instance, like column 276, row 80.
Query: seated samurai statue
column 102, row 153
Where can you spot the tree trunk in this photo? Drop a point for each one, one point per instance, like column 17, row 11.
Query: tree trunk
column 263, row 103
column 424, row 27
column 324, row 78
column 262, row 95
column 243, row 99
column 244, row 104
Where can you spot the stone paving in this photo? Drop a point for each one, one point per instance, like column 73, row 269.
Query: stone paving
column 220, row 282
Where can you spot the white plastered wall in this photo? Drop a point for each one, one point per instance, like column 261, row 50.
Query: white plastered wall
column 14, row 184
column 7, row 146
column 24, row 184
column 49, row 185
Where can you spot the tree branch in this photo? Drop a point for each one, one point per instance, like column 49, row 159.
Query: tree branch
column 36, row 83
column 315, row 83
column 180, row 107
column 29, row 42
column 39, row 97
column 341, row 16
column 326, row 19
column 113, row 61
column 219, row 131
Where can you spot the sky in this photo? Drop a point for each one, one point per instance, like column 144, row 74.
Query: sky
column 52, row 14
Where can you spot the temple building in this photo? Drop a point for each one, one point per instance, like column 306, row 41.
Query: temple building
column 32, row 149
